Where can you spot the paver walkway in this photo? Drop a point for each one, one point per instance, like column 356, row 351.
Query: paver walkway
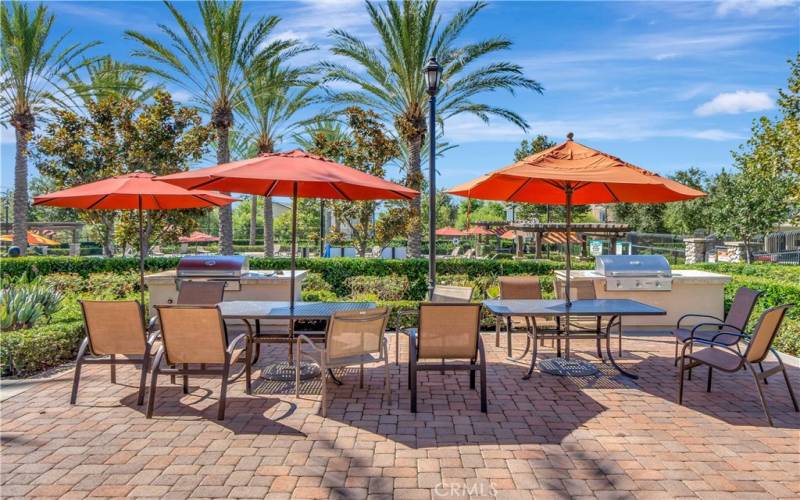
column 549, row 437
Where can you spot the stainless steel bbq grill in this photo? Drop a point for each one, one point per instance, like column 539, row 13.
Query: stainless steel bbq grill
column 634, row 272
column 228, row 268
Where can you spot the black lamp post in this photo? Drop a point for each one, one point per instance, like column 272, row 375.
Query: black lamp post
column 433, row 75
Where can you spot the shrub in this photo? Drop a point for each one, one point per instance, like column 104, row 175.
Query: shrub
column 318, row 296
column 29, row 351
column 96, row 285
column 23, row 304
column 315, row 281
column 392, row 287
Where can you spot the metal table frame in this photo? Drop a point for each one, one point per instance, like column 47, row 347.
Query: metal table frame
column 249, row 311
column 614, row 309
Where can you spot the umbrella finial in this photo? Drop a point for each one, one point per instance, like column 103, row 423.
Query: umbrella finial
column 570, row 135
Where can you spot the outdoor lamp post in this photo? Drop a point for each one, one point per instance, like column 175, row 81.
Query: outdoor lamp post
column 433, row 75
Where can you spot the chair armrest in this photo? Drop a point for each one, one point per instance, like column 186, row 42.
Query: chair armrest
column 697, row 316
column 233, row 343
column 707, row 343
column 715, row 325
column 399, row 313
column 742, row 336
column 303, row 338
column 153, row 337
column 152, row 323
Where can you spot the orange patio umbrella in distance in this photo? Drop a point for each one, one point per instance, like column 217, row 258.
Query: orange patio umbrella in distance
column 573, row 174
column 293, row 173
column 33, row 239
column 198, row 237
column 136, row 191
column 450, row 231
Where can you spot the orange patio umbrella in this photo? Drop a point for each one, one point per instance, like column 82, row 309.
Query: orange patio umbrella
column 293, row 173
column 450, row 231
column 198, row 237
column 33, row 239
column 136, row 191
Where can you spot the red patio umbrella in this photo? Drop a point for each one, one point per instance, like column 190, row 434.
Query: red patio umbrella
column 293, row 173
column 573, row 174
column 450, row 231
column 135, row 191
column 198, row 237
column 480, row 231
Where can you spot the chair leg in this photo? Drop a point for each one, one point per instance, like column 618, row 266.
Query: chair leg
column 691, row 350
column 708, row 382
column 151, row 400
column 78, row 363
column 360, row 376
column 397, row 345
column 482, row 361
column 324, row 369
column 680, row 380
column 676, row 352
column 387, row 380
column 248, row 365
column 472, row 374
column 113, row 369
column 788, row 385
column 223, row 391
column 761, row 367
column 760, row 394
column 143, row 377
column 185, row 379
column 412, row 377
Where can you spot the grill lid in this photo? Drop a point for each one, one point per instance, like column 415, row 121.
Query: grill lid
column 213, row 265
column 632, row 265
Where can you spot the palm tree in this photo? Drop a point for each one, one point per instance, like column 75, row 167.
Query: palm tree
column 390, row 78
column 274, row 97
column 106, row 77
column 34, row 69
column 212, row 62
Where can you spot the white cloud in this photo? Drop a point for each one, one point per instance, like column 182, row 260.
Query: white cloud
column 7, row 135
column 750, row 7
column 731, row 103
column 181, row 96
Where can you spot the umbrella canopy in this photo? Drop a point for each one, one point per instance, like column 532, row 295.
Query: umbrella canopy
column 573, row 174
column 593, row 176
column 294, row 173
column 450, row 231
column 135, row 191
column 560, row 238
column 33, row 239
column 198, row 237
column 125, row 192
column 510, row 235
column 281, row 174
column 480, row 231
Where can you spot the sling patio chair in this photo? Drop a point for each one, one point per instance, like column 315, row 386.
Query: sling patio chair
column 441, row 294
column 732, row 326
column 447, row 331
column 526, row 288
column 192, row 334
column 114, row 328
column 721, row 356
column 352, row 338
column 581, row 325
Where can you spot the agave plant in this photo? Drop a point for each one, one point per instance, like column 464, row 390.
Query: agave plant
column 22, row 306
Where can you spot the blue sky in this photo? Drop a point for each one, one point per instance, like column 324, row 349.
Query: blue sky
column 665, row 85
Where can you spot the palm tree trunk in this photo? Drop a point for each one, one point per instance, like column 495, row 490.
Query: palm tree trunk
column 269, row 232
column 253, row 219
column 21, row 191
column 414, row 182
column 225, row 213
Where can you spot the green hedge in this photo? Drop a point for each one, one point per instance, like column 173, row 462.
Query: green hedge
column 25, row 352
column 334, row 271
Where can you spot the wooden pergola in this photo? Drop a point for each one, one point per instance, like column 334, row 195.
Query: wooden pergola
column 584, row 230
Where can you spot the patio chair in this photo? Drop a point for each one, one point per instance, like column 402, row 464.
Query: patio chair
column 352, row 338
column 523, row 287
column 441, row 294
column 193, row 335
column 734, row 323
column 114, row 328
column 584, row 290
column 721, row 356
column 447, row 331
column 469, row 254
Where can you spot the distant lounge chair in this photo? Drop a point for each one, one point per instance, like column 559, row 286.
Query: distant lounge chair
column 441, row 294
column 447, row 332
column 469, row 254
column 352, row 338
column 114, row 328
column 193, row 335
column 722, row 357
column 734, row 323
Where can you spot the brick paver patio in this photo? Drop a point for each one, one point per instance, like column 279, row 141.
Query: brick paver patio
column 549, row 437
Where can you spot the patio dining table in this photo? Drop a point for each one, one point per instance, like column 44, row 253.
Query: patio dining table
column 250, row 311
column 614, row 309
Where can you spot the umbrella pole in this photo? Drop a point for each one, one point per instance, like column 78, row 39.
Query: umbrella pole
column 141, row 253
column 294, row 246
column 567, row 273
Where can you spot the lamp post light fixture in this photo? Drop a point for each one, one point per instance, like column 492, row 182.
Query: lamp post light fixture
column 433, row 76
